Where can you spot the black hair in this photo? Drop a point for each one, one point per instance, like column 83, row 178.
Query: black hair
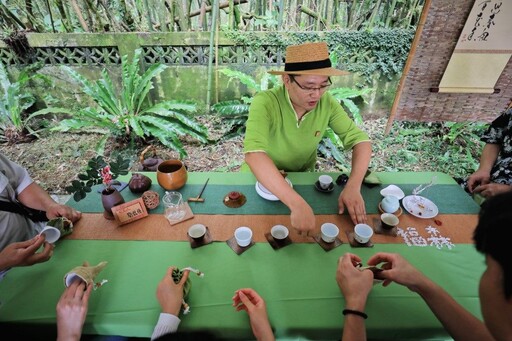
column 494, row 219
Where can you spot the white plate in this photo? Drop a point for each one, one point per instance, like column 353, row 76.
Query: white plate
column 265, row 193
column 420, row 206
column 392, row 190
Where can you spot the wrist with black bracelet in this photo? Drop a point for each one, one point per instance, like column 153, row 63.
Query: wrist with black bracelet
column 355, row 312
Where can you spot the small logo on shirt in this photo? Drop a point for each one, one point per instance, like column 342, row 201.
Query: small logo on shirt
column 317, row 133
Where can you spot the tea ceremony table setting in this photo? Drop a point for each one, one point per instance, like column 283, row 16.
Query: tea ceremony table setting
column 294, row 273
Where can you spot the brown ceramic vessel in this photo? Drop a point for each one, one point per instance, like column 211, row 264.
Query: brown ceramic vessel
column 171, row 174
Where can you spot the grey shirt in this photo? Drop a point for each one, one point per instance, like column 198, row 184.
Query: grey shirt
column 14, row 227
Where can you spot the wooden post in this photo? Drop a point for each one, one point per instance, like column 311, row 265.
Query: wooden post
column 407, row 66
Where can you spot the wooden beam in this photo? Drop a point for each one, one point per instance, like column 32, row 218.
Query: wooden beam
column 407, row 66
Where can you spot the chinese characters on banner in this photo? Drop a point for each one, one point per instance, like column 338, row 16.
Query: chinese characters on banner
column 483, row 49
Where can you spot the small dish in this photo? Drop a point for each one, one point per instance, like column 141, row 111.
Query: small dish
column 420, row 207
column 265, row 193
column 327, row 190
column 392, row 190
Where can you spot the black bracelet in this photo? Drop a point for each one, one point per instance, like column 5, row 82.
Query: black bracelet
column 355, row 312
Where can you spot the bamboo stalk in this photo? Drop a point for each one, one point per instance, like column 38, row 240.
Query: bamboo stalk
column 342, row 15
column 63, row 16
column 201, row 23
column 51, row 15
column 390, row 13
column 210, row 56
column 128, row 17
column 330, row 10
column 281, row 15
column 407, row 67
column 170, row 5
column 375, row 14
column 221, row 6
column 312, row 14
column 78, row 13
column 148, row 15
column 9, row 15
column 238, row 19
column 217, row 57
column 182, row 20
column 90, row 19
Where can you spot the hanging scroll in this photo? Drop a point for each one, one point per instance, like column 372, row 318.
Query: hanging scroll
column 482, row 51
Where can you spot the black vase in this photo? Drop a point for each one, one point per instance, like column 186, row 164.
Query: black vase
column 109, row 199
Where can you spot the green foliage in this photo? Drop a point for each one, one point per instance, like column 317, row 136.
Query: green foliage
column 80, row 187
column 129, row 113
column 449, row 147
column 331, row 144
column 16, row 125
column 382, row 51
column 234, row 113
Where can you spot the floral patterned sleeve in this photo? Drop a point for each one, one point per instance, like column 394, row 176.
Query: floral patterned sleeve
column 499, row 128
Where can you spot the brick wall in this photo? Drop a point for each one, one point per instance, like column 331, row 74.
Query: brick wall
column 444, row 23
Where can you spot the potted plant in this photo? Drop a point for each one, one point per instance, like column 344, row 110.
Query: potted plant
column 99, row 171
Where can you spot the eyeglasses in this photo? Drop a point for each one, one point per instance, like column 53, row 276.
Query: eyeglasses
column 309, row 90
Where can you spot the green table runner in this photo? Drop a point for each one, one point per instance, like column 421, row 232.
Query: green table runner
column 448, row 196
column 297, row 282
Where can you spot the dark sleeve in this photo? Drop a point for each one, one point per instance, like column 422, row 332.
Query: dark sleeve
column 498, row 129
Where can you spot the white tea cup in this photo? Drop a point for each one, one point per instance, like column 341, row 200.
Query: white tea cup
column 197, row 231
column 52, row 234
column 325, row 181
column 279, row 232
column 363, row 233
column 329, row 232
column 243, row 236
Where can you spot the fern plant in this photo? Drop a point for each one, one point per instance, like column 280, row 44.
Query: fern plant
column 129, row 112
column 331, row 144
column 234, row 113
column 16, row 124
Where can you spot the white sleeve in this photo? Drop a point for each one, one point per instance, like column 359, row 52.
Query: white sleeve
column 167, row 324
column 24, row 181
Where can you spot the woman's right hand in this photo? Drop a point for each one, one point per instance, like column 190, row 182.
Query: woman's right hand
column 302, row 217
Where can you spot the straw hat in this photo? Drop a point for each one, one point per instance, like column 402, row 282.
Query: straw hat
column 309, row 59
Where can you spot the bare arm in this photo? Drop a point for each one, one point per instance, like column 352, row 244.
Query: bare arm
column 37, row 198
column 302, row 216
column 351, row 198
column 459, row 323
column 355, row 286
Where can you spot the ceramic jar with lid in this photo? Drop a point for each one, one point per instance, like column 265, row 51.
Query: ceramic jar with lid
column 390, row 204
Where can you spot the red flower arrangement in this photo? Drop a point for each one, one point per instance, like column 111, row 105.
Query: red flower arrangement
column 106, row 176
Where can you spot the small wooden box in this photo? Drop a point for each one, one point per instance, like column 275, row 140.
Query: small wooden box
column 130, row 211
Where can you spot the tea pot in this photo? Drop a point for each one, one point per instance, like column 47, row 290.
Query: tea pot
column 390, row 204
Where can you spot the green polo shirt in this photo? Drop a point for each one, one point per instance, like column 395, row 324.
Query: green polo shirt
column 272, row 127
